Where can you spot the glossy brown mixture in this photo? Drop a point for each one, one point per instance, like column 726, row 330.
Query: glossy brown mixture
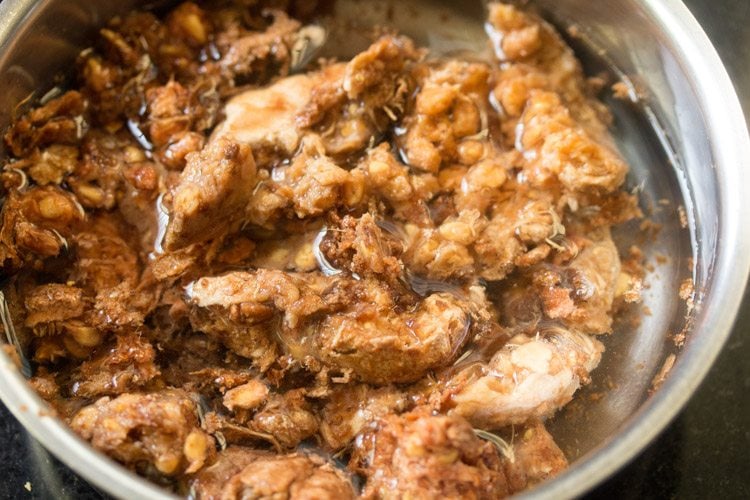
column 245, row 277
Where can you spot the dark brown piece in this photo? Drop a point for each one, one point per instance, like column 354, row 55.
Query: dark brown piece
column 212, row 193
column 423, row 456
column 126, row 366
column 159, row 430
column 60, row 121
column 352, row 408
column 242, row 473
column 536, row 457
column 288, row 418
column 35, row 225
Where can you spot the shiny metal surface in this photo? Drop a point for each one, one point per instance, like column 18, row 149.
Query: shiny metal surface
column 655, row 43
column 661, row 45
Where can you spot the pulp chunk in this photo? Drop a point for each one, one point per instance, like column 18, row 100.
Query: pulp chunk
column 529, row 378
column 244, row 473
column 536, row 457
column 212, row 193
column 266, row 117
column 427, row 456
column 160, row 429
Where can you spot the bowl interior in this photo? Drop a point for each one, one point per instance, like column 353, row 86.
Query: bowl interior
column 665, row 137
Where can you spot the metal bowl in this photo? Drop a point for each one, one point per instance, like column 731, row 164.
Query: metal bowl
column 686, row 141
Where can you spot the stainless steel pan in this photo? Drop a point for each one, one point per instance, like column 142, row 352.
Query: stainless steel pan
column 686, row 141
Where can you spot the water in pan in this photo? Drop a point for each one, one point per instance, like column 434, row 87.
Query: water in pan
column 641, row 340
